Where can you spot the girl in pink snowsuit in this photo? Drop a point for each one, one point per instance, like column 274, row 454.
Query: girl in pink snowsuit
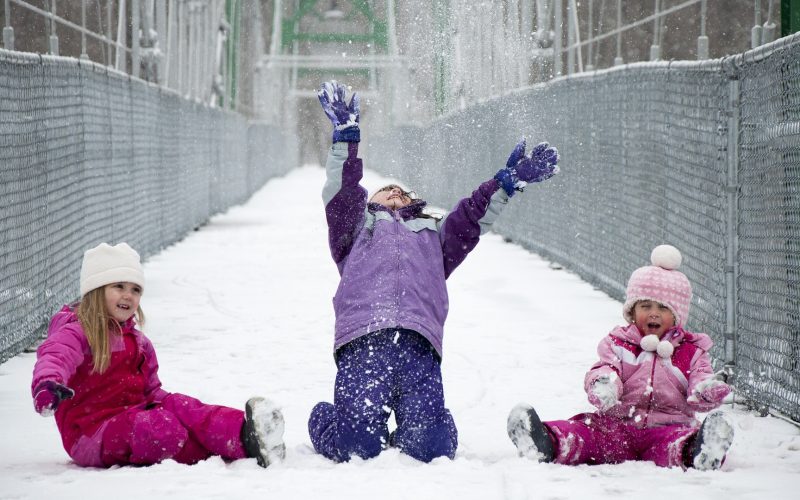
column 651, row 378
column 99, row 375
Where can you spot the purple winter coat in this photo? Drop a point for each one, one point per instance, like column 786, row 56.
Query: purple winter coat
column 393, row 264
column 653, row 391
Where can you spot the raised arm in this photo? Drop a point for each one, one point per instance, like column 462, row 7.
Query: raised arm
column 473, row 216
column 344, row 198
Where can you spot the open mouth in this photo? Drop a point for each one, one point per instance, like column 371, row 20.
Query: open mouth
column 653, row 326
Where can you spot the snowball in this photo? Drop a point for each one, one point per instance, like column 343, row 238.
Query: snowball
column 666, row 256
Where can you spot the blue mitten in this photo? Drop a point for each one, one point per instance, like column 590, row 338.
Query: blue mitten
column 520, row 169
column 343, row 116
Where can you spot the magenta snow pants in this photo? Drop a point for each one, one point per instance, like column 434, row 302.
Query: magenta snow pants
column 180, row 428
column 593, row 438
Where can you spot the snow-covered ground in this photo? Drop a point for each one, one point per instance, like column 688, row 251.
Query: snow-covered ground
column 243, row 307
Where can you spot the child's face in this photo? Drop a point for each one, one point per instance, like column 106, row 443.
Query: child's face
column 392, row 196
column 652, row 317
column 122, row 300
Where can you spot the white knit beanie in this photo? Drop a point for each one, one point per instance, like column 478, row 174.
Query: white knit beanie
column 661, row 282
column 105, row 264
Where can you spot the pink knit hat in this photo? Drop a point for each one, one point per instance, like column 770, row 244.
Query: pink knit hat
column 661, row 282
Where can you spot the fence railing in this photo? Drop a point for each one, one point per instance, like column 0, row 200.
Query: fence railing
column 88, row 154
column 701, row 155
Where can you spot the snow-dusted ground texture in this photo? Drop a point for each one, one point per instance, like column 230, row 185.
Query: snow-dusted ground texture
column 242, row 307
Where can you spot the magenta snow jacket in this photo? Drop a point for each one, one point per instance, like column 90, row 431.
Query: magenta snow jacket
column 131, row 381
column 653, row 391
column 394, row 263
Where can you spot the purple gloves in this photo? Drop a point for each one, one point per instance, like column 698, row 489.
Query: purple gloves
column 521, row 170
column 344, row 117
column 48, row 395
column 710, row 391
column 605, row 392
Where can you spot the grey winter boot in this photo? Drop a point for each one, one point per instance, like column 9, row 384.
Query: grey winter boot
column 711, row 442
column 529, row 434
column 262, row 432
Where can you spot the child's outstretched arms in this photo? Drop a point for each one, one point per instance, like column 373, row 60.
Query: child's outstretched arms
column 520, row 170
column 474, row 215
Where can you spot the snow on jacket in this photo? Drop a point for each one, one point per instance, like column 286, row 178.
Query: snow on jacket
column 654, row 390
column 131, row 380
column 394, row 263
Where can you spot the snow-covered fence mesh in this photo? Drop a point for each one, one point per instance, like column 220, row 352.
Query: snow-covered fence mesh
column 90, row 155
column 705, row 156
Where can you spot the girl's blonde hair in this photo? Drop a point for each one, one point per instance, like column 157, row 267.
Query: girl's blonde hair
column 99, row 325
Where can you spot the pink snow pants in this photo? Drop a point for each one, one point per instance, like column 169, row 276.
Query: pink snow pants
column 593, row 438
column 181, row 428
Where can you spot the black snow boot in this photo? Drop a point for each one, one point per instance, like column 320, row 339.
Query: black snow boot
column 529, row 434
column 262, row 432
column 711, row 442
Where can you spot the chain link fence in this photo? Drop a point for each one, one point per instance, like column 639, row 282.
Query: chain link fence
column 701, row 155
column 90, row 155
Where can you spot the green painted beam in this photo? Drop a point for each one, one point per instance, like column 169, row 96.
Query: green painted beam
column 302, row 72
column 334, row 37
column 442, row 52
column 790, row 17
column 290, row 32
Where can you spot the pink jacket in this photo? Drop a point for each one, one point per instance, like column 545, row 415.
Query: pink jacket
column 130, row 381
column 653, row 391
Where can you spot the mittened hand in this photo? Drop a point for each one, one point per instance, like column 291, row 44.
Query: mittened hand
column 540, row 165
column 604, row 393
column 521, row 170
column 711, row 391
column 49, row 395
column 343, row 116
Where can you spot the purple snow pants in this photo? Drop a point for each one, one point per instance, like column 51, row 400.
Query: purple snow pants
column 385, row 371
column 593, row 438
column 181, row 428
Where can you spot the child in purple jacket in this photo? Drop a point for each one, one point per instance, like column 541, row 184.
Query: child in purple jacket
column 651, row 378
column 99, row 375
column 391, row 303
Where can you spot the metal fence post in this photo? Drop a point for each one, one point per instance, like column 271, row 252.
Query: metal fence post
column 702, row 40
column 84, row 55
column 121, row 61
column 53, row 35
column 755, row 32
column 8, row 31
column 618, row 58
column 559, row 19
column 135, row 38
column 655, row 49
column 162, row 39
column 732, row 226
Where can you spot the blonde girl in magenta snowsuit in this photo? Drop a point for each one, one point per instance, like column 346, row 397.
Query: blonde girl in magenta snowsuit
column 99, row 375
column 651, row 378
